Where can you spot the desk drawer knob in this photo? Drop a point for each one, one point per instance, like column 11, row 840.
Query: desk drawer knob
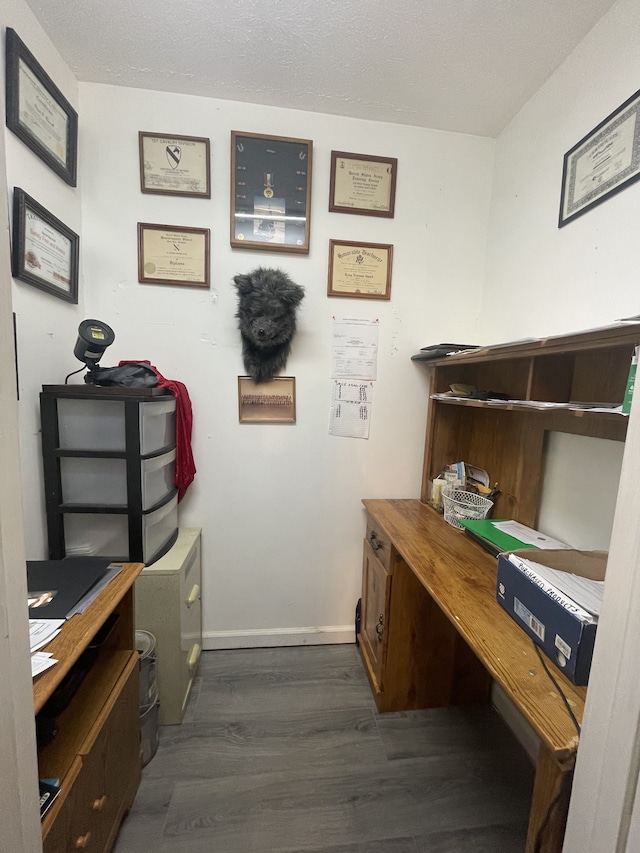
column 98, row 805
column 375, row 543
column 380, row 627
column 82, row 841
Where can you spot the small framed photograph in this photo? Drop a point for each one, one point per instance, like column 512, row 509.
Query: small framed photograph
column 362, row 183
column 170, row 254
column 174, row 165
column 37, row 111
column 272, row 402
column 604, row 162
column 360, row 270
column 270, row 192
column 44, row 251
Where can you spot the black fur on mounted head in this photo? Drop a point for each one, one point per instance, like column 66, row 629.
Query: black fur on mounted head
column 267, row 302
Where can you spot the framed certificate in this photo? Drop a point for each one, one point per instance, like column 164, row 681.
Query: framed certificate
column 174, row 165
column 44, row 251
column 270, row 192
column 361, row 183
column 169, row 254
column 272, row 402
column 37, row 111
column 604, row 162
column 360, row 270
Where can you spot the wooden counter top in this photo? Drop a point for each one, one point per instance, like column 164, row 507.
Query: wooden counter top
column 461, row 577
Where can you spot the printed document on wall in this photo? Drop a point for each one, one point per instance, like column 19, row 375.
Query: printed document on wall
column 351, row 408
column 355, row 348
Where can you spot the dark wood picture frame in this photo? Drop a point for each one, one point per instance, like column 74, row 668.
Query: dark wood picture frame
column 363, row 184
column 604, row 162
column 180, row 258
column 28, row 85
column 46, row 252
column 186, row 170
column 270, row 192
column 254, row 406
column 360, row 270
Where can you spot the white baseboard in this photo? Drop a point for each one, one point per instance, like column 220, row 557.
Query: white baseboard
column 323, row 635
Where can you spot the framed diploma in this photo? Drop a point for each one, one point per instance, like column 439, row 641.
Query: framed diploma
column 604, row 162
column 37, row 111
column 272, row 402
column 168, row 254
column 174, row 165
column 361, row 183
column 44, row 251
column 270, row 192
column 360, row 270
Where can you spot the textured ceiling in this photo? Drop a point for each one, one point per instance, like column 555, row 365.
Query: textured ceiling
column 459, row 65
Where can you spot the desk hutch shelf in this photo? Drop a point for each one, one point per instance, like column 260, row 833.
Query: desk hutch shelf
column 507, row 438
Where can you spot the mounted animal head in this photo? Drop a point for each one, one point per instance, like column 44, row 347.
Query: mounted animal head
column 267, row 303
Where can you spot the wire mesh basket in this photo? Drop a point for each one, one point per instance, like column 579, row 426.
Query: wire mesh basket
column 460, row 504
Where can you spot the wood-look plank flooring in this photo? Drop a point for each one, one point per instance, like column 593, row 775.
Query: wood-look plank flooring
column 283, row 751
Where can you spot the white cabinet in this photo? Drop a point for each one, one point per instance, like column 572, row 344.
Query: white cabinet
column 168, row 605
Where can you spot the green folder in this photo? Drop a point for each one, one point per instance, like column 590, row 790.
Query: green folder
column 484, row 532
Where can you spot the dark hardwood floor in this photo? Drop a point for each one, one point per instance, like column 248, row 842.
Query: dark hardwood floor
column 283, row 751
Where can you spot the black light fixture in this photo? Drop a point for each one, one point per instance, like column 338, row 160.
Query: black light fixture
column 94, row 337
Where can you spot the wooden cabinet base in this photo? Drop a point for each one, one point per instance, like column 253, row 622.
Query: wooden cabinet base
column 96, row 751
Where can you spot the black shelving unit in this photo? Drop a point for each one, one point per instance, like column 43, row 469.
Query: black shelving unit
column 111, row 506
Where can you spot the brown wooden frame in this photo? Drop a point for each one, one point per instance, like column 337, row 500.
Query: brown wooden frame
column 171, row 137
column 391, row 164
column 271, row 167
column 145, row 274
column 352, row 247
column 249, row 415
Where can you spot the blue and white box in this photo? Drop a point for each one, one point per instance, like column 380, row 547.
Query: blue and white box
column 564, row 629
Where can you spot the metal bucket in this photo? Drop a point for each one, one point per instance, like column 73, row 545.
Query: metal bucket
column 149, row 732
column 146, row 647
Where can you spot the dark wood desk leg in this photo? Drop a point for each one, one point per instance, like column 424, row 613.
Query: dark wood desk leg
column 549, row 805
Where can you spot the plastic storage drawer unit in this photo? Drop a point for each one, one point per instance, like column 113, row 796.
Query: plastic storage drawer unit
column 89, row 424
column 103, row 481
column 109, row 534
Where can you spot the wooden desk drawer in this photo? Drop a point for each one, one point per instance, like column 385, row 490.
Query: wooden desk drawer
column 379, row 542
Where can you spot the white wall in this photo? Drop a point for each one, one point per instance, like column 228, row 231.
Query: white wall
column 46, row 326
column 280, row 505
column 542, row 280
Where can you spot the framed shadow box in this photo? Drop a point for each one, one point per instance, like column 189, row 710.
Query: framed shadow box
column 270, row 192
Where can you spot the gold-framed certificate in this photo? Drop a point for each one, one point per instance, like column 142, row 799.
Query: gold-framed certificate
column 171, row 164
column 363, row 184
column 360, row 270
column 170, row 254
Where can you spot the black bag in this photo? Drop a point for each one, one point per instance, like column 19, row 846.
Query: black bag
column 133, row 375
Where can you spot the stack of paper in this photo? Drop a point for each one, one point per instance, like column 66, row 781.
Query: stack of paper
column 40, row 661
column 42, row 631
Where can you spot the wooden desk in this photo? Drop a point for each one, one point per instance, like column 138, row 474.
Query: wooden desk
column 433, row 635
column 96, row 751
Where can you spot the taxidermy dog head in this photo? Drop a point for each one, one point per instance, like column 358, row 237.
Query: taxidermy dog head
column 267, row 302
